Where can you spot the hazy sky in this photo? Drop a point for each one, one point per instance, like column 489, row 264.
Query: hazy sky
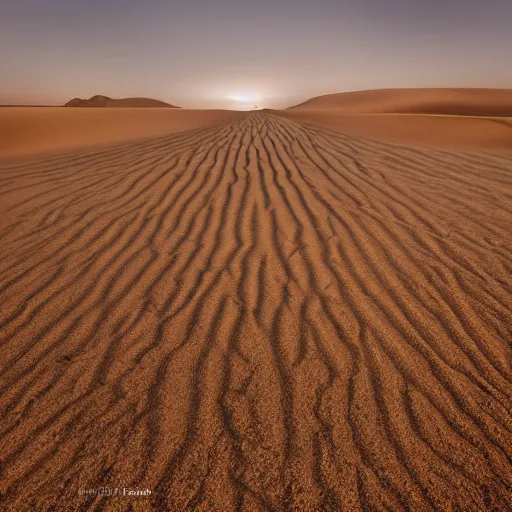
column 228, row 53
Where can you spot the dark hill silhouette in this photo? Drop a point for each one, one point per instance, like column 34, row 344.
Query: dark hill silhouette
column 105, row 101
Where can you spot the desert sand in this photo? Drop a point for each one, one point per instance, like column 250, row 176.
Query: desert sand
column 447, row 118
column 468, row 102
column 28, row 130
column 261, row 314
column 427, row 130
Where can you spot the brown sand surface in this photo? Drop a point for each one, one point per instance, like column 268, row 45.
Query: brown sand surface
column 258, row 316
column 30, row 130
column 105, row 101
column 472, row 102
column 441, row 131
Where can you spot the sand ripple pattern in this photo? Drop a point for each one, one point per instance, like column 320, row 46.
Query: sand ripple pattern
column 261, row 316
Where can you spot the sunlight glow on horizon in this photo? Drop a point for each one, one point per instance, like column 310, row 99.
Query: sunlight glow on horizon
column 231, row 54
column 245, row 97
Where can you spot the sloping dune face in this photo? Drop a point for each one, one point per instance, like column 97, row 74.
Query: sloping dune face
column 470, row 102
column 261, row 316
column 436, row 131
column 26, row 131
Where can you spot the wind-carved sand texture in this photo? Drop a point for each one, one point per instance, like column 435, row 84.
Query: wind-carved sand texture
column 259, row 316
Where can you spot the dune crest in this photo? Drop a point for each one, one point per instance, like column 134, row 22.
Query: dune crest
column 442, row 118
column 448, row 101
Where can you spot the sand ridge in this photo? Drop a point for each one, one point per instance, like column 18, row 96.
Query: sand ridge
column 29, row 131
column 434, row 131
column 452, row 101
column 257, row 316
column 440, row 118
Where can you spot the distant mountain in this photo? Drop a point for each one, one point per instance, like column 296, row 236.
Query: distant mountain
column 105, row 101
column 469, row 102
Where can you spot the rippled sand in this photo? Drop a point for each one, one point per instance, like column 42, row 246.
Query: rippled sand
column 259, row 316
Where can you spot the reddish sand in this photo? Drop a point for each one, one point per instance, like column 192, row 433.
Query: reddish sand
column 257, row 316
column 449, row 118
column 471, row 102
column 30, row 130
column 462, row 132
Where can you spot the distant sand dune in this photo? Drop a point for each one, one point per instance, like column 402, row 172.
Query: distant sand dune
column 442, row 118
column 257, row 316
column 471, row 102
column 105, row 101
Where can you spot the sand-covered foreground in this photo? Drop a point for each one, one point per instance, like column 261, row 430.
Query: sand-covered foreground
column 34, row 131
column 256, row 316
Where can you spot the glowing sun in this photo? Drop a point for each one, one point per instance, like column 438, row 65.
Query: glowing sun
column 245, row 97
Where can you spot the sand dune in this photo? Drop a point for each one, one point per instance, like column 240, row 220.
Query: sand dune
column 437, row 131
column 105, row 101
column 257, row 316
column 29, row 130
column 443, row 118
column 471, row 102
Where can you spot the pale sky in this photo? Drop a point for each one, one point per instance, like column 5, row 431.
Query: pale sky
column 229, row 53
